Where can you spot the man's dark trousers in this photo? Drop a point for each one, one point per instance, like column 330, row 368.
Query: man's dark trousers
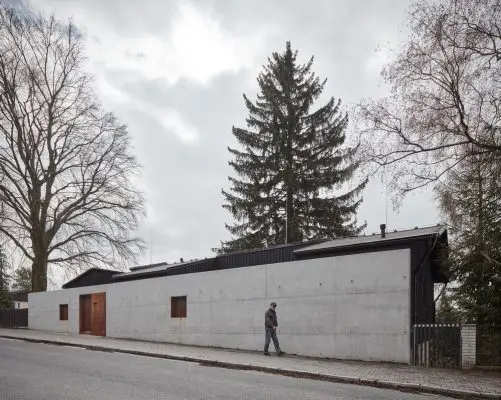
column 271, row 334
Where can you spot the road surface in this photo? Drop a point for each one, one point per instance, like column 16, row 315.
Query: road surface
column 30, row 371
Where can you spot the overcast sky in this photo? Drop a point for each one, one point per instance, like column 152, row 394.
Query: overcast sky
column 175, row 72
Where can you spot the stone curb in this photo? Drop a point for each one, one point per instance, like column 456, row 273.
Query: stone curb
column 403, row 387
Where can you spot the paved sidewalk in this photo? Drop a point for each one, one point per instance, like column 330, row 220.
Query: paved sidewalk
column 465, row 385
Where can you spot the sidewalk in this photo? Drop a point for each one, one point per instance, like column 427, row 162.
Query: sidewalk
column 457, row 384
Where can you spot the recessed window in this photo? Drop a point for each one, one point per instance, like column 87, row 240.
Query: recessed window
column 178, row 307
column 63, row 312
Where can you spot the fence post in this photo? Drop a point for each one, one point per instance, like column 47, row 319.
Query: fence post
column 468, row 346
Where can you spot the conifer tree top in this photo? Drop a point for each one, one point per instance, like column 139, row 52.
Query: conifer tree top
column 291, row 162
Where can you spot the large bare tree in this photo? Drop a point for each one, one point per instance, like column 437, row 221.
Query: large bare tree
column 66, row 171
column 445, row 99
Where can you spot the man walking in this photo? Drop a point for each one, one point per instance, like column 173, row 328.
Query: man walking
column 270, row 326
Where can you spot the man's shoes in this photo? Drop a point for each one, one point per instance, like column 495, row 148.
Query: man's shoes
column 280, row 353
column 267, row 354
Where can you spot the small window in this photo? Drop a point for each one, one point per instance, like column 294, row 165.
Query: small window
column 178, row 307
column 63, row 312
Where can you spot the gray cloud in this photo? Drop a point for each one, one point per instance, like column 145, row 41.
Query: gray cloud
column 186, row 181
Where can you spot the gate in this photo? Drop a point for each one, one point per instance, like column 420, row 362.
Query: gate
column 436, row 345
column 14, row 318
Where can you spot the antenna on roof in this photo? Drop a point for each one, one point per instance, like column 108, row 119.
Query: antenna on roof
column 151, row 246
column 386, row 197
column 386, row 210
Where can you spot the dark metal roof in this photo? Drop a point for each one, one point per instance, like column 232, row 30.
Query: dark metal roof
column 283, row 253
column 267, row 255
column 148, row 266
column 377, row 240
column 91, row 277
column 152, row 269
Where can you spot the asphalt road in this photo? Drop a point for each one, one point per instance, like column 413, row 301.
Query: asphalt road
column 30, row 371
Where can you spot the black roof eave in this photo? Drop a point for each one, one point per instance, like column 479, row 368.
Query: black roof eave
column 68, row 284
column 364, row 245
column 441, row 275
column 141, row 267
column 154, row 274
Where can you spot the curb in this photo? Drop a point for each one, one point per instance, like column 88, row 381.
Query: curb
column 402, row 387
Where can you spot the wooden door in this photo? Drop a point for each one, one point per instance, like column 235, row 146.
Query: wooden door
column 85, row 314
column 99, row 314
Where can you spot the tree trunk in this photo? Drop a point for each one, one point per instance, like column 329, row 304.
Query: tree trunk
column 39, row 266
column 291, row 220
column 39, row 280
column 39, row 275
column 290, row 217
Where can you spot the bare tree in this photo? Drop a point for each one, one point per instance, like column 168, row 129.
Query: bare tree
column 445, row 99
column 66, row 171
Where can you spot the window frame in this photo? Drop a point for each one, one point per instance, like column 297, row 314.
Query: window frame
column 179, row 307
column 63, row 312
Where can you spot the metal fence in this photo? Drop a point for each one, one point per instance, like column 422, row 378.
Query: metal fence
column 489, row 345
column 14, row 318
column 436, row 345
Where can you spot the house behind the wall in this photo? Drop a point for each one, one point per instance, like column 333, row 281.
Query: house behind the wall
column 348, row 298
column 19, row 298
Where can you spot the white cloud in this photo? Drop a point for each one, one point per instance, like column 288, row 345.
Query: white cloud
column 202, row 50
column 191, row 45
column 169, row 118
column 172, row 121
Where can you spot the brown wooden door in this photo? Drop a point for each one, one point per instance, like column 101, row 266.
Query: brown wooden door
column 99, row 314
column 85, row 314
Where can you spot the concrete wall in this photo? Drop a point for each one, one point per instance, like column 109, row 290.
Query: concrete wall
column 350, row 307
column 43, row 310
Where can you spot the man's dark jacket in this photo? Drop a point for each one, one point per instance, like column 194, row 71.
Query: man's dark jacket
column 270, row 319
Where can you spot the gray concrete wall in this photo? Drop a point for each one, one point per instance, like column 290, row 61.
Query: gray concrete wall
column 43, row 310
column 348, row 307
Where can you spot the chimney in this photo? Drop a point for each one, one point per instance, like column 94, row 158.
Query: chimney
column 383, row 230
column 181, row 259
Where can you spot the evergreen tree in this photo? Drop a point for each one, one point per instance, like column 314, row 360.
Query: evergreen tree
column 4, row 281
column 471, row 202
column 21, row 278
column 447, row 313
column 292, row 160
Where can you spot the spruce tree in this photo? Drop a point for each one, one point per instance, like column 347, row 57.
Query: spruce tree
column 21, row 278
column 292, row 158
column 447, row 313
column 471, row 203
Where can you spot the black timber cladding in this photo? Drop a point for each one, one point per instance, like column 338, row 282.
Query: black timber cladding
column 428, row 260
column 92, row 277
column 269, row 255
